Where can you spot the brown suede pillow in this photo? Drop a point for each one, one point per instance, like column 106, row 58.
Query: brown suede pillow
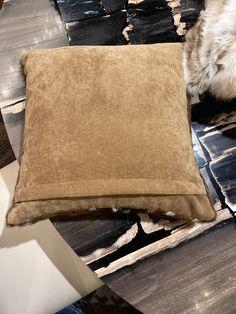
column 107, row 127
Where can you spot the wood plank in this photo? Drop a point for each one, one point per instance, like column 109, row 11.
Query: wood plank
column 75, row 10
column 180, row 235
column 111, row 6
column 78, row 10
column 106, row 30
column 185, row 13
column 215, row 127
column 14, row 120
column 108, row 230
column 150, row 22
column 24, row 25
column 6, row 153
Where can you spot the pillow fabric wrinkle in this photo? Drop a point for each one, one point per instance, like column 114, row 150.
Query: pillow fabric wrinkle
column 107, row 127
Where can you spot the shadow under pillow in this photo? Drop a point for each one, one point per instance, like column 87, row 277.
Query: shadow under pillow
column 107, row 127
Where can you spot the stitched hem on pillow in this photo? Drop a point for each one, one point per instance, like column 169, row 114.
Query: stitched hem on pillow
column 90, row 188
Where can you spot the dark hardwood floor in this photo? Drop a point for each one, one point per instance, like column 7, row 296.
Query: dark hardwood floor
column 196, row 277
column 25, row 24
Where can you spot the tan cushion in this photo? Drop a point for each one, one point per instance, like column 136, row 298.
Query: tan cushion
column 107, row 127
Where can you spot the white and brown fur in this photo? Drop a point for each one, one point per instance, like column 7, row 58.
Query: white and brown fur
column 210, row 51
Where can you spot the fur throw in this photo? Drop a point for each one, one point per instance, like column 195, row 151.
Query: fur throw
column 210, row 51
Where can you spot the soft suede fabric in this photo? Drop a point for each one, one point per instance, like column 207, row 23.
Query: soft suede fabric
column 107, row 127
